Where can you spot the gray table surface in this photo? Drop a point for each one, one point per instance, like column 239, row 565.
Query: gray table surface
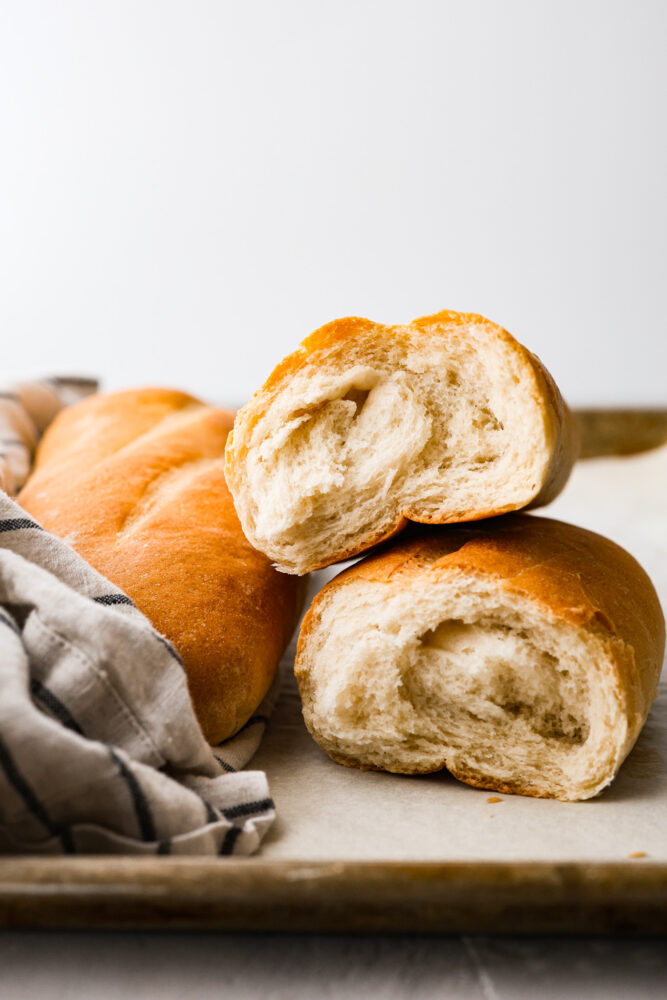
column 103, row 966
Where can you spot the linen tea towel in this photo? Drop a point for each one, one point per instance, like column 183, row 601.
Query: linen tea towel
column 100, row 750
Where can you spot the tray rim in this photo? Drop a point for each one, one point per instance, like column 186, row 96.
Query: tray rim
column 252, row 894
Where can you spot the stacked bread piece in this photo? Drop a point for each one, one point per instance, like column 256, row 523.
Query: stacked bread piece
column 365, row 427
column 520, row 653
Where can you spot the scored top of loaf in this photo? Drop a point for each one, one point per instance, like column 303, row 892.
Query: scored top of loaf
column 134, row 481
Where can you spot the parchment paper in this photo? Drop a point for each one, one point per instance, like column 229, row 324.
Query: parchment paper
column 326, row 811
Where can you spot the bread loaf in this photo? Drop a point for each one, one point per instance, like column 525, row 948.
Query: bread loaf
column 134, row 481
column 522, row 654
column 366, row 426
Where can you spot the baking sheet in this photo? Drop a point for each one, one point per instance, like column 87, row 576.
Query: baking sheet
column 374, row 851
column 328, row 811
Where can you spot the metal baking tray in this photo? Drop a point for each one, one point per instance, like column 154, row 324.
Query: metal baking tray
column 365, row 851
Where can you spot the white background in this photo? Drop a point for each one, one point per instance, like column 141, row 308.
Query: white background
column 189, row 188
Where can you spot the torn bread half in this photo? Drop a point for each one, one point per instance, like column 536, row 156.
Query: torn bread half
column 367, row 426
column 522, row 654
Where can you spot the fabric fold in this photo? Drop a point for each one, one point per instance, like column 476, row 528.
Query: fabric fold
column 100, row 749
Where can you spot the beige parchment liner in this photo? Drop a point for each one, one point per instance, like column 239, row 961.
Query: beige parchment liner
column 354, row 851
column 326, row 811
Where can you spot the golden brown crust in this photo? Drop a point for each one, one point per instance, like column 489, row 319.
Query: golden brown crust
column 329, row 343
column 565, row 434
column 573, row 574
column 135, row 481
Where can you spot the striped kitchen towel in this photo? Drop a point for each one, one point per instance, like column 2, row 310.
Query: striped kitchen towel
column 25, row 413
column 100, row 749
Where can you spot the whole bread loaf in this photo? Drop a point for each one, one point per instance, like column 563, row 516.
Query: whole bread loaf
column 366, row 427
column 135, row 482
column 521, row 653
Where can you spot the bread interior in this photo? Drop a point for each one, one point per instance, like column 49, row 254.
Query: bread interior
column 434, row 430
column 456, row 675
